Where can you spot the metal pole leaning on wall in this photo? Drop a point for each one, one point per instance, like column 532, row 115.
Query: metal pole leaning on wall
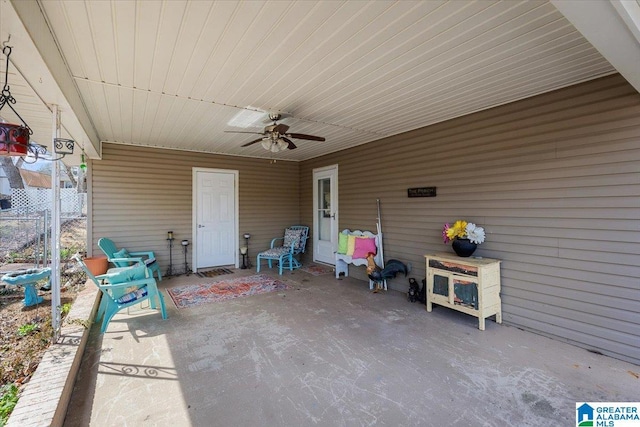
column 379, row 227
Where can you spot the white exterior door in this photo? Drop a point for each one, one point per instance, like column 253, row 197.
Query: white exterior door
column 215, row 218
column 325, row 214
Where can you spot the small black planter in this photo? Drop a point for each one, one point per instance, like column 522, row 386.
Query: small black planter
column 463, row 247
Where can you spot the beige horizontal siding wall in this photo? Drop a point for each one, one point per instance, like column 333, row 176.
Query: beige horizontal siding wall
column 138, row 194
column 555, row 181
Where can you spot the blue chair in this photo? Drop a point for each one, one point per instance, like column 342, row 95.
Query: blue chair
column 123, row 289
column 124, row 258
column 293, row 243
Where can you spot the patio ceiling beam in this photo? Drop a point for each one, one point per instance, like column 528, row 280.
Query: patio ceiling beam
column 613, row 28
column 32, row 18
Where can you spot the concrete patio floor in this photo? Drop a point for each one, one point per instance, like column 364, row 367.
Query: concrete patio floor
column 329, row 352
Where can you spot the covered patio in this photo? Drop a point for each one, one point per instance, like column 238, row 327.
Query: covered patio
column 521, row 117
column 330, row 352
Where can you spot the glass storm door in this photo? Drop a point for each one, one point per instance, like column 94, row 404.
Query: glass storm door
column 325, row 214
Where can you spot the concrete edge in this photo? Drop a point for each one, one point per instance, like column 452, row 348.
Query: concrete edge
column 44, row 399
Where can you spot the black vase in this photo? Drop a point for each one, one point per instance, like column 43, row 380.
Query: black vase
column 463, row 247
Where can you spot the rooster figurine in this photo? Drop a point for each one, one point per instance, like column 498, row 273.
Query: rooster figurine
column 379, row 275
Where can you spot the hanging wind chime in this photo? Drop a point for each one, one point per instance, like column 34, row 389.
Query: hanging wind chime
column 14, row 139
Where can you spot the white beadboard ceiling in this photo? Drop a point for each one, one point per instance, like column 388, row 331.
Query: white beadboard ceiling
column 174, row 74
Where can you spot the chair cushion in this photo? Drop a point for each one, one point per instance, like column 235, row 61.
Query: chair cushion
column 132, row 296
column 343, row 239
column 291, row 236
column 363, row 246
column 351, row 245
column 275, row 252
column 127, row 275
column 122, row 253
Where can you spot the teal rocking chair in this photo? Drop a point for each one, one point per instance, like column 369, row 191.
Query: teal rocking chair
column 293, row 243
column 123, row 289
column 124, row 258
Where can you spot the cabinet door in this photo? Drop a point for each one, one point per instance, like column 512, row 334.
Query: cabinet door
column 438, row 287
column 465, row 291
column 441, row 284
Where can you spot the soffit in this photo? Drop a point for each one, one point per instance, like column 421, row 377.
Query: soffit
column 174, row 74
column 35, row 89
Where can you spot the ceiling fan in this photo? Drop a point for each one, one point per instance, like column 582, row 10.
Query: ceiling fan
column 275, row 137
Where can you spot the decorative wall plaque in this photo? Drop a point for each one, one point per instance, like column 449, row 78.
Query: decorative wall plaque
column 422, row 192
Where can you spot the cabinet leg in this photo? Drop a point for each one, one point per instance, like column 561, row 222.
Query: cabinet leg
column 481, row 323
column 429, row 306
column 499, row 317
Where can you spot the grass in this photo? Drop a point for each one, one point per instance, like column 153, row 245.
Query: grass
column 27, row 329
column 66, row 307
column 8, row 400
column 22, row 349
column 67, row 253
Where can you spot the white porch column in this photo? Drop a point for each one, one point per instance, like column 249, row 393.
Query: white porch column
column 55, row 231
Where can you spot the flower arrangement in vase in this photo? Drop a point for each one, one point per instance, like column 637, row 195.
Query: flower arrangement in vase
column 465, row 237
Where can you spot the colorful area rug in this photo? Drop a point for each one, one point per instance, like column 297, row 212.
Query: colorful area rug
column 192, row 295
column 215, row 272
column 317, row 269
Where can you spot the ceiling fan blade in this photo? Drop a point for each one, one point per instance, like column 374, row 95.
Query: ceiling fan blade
column 303, row 136
column 281, row 128
column 251, row 143
column 239, row 131
column 291, row 146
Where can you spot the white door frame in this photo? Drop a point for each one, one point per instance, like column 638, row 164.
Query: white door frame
column 334, row 208
column 194, row 212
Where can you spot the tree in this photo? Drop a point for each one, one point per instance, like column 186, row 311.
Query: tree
column 12, row 172
column 70, row 175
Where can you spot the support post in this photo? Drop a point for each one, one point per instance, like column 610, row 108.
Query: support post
column 55, row 232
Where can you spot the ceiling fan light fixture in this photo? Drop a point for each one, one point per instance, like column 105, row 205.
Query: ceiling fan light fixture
column 276, row 137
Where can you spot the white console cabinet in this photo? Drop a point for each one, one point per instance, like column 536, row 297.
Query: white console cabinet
column 470, row 285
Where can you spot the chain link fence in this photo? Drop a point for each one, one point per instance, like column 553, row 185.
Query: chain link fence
column 25, row 228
